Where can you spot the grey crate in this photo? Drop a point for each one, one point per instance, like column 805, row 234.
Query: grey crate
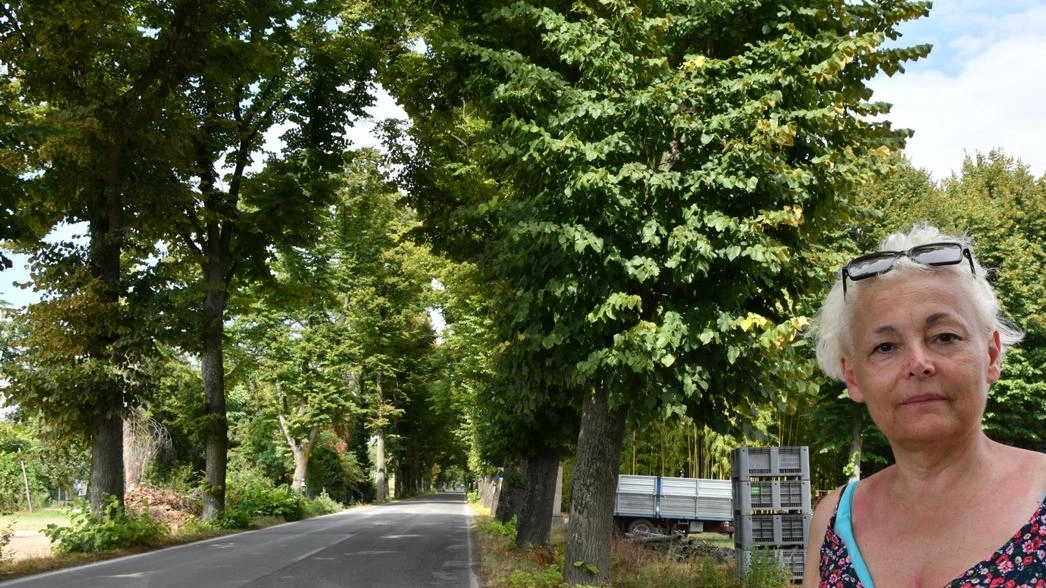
column 777, row 529
column 791, row 559
column 770, row 462
column 772, row 495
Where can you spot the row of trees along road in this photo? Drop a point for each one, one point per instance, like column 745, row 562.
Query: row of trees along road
column 646, row 184
column 139, row 120
column 641, row 200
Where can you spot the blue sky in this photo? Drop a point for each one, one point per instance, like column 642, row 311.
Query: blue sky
column 983, row 87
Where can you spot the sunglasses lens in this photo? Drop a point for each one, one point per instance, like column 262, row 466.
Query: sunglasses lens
column 937, row 254
column 870, row 265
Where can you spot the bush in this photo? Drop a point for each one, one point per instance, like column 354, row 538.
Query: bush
column 766, row 570
column 114, row 529
column 322, row 505
column 505, row 531
column 12, row 484
column 6, row 534
column 254, row 501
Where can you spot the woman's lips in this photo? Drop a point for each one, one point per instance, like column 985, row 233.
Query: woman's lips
column 924, row 398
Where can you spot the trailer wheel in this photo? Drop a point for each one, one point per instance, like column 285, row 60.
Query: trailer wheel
column 641, row 526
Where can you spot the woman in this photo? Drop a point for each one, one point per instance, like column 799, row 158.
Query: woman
column 915, row 333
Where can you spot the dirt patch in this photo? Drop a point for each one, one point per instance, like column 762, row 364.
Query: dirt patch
column 27, row 544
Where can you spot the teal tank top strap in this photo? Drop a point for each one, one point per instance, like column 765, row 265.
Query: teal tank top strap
column 844, row 528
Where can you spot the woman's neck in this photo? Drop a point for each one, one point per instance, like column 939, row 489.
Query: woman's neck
column 942, row 470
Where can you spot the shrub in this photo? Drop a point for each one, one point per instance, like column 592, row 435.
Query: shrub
column 765, row 571
column 321, row 505
column 505, row 531
column 114, row 529
column 244, row 505
column 6, row 534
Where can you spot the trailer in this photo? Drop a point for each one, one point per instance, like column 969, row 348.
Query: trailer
column 652, row 503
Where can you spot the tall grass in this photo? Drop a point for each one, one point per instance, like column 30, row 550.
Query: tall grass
column 635, row 566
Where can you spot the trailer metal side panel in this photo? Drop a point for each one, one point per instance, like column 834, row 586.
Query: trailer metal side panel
column 715, row 500
column 675, row 498
column 679, row 498
column 636, row 496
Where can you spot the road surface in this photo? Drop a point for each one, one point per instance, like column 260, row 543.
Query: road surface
column 404, row 544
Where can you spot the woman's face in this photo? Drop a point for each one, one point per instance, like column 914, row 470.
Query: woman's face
column 920, row 359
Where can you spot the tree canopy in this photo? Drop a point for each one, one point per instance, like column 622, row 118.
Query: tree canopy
column 656, row 178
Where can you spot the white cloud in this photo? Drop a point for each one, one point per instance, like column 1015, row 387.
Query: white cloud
column 981, row 88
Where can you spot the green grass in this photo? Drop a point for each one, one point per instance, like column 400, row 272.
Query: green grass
column 635, row 566
column 36, row 520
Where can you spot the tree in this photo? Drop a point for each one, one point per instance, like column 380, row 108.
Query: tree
column 96, row 77
column 304, row 64
column 298, row 366
column 996, row 201
column 343, row 331
column 664, row 172
column 384, row 284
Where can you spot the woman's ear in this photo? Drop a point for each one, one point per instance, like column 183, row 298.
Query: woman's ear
column 851, row 382
column 994, row 358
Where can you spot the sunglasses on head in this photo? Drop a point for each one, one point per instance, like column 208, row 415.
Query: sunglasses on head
column 932, row 254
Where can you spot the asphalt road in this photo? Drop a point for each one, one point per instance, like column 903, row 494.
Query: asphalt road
column 403, row 544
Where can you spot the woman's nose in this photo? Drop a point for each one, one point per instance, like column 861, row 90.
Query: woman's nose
column 919, row 362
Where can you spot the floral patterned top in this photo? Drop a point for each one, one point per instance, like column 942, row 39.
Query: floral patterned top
column 1020, row 563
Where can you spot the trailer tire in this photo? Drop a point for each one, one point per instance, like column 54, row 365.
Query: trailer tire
column 641, row 526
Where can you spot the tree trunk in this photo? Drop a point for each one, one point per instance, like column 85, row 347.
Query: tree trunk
column 106, row 245
column 300, row 451
column 213, row 373
column 591, row 525
column 510, row 495
column 856, row 445
column 106, row 463
column 534, row 525
column 488, row 493
column 381, row 482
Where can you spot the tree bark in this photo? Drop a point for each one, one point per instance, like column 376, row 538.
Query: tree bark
column 510, row 496
column 381, row 482
column 301, row 450
column 591, row 525
column 534, row 525
column 213, row 373
column 106, row 463
column 106, row 246
column 488, row 493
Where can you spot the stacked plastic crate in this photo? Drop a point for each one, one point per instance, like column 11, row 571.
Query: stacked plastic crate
column 771, row 506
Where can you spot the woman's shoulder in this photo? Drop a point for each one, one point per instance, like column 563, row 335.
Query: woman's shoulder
column 1026, row 459
column 824, row 512
column 1025, row 464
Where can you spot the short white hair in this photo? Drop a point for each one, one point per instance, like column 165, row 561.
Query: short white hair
column 831, row 326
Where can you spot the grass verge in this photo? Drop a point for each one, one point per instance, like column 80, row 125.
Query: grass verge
column 56, row 560
column 708, row 565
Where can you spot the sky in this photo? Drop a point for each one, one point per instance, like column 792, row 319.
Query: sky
column 982, row 87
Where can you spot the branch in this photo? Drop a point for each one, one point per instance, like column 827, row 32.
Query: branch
column 11, row 18
column 285, row 428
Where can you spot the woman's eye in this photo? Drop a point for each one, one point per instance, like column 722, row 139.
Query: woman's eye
column 947, row 337
column 884, row 348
